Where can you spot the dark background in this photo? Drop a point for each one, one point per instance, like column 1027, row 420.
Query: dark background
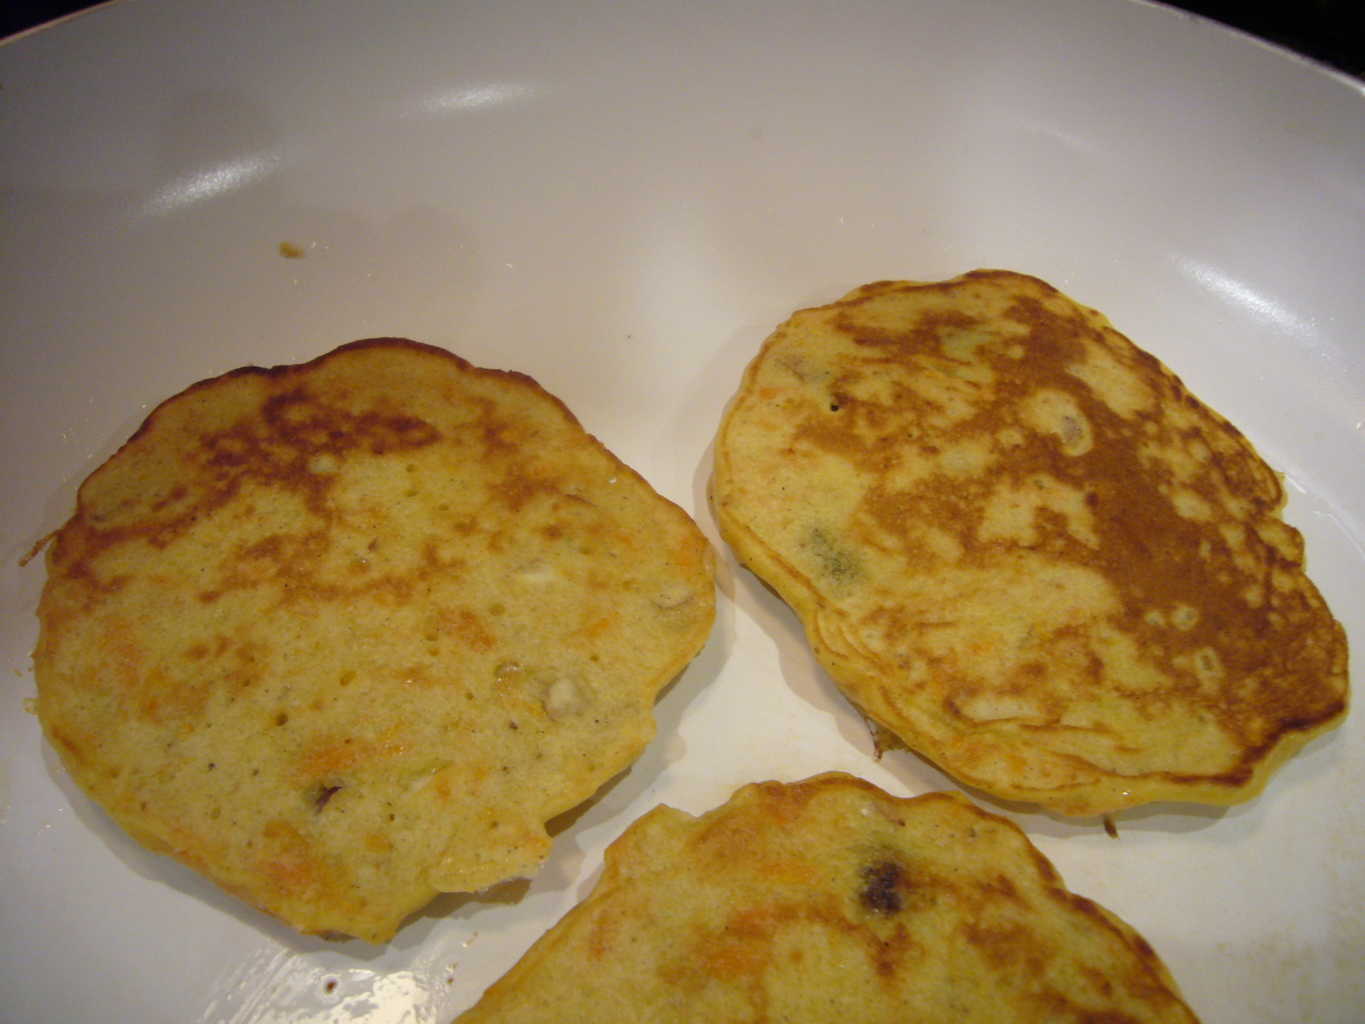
column 1330, row 31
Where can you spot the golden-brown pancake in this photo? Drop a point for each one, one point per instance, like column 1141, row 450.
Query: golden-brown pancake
column 344, row 635
column 830, row 901
column 1019, row 544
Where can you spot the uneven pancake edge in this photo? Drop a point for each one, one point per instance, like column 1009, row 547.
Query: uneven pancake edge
column 871, row 688
column 862, row 690
column 543, row 704
column 753, row 853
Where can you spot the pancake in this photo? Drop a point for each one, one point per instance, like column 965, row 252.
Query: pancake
column 830, row 901
column 1020, row 545
column 346, row 634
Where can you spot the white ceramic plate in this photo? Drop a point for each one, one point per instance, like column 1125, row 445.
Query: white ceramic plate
column 622, row 200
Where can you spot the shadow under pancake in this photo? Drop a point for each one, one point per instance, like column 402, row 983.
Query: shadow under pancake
column 1169, row 817
column 743, row 589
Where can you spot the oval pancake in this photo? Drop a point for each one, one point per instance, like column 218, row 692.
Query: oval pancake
column 346, row 634
column 1020, row 545
column 830, row 902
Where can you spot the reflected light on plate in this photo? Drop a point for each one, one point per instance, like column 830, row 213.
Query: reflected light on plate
column 1258, row 304
column 475, row 97
column 399, row 997
column 283, row 987
column 1078, row 142
column 211, row 182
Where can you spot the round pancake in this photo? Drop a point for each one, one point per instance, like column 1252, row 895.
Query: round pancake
column 346, row 634
column 1019, row 544
column 830, row 901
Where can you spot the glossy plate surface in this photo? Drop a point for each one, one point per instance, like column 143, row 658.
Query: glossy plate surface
column 622, row 201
